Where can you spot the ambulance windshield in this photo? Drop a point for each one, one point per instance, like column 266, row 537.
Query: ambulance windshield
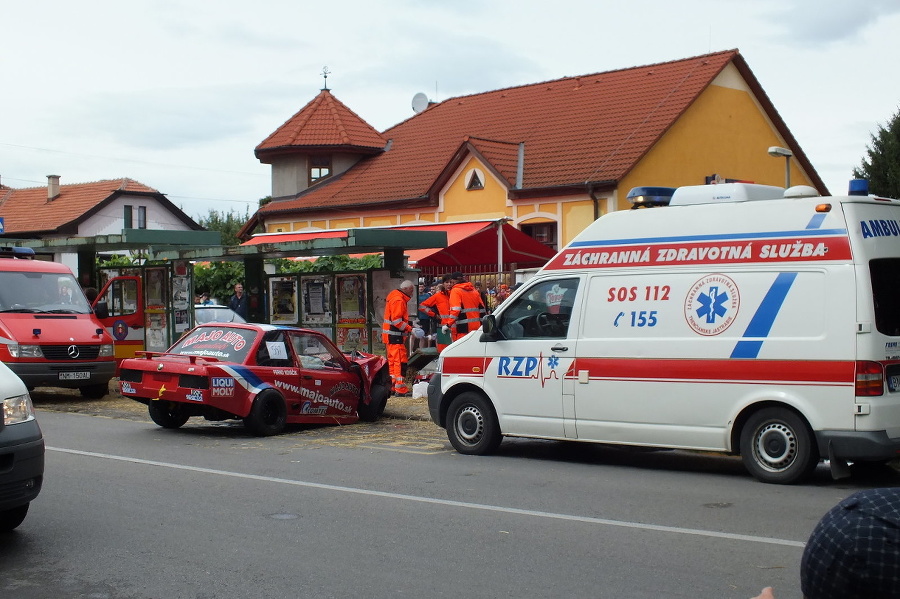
column 885, row 274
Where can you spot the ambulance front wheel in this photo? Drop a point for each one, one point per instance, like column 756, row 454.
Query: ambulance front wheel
column 472, row 425
column 777, row 447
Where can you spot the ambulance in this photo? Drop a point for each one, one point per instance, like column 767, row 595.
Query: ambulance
column 736, row 318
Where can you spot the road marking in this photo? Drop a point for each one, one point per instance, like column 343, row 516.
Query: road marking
column 443, row 502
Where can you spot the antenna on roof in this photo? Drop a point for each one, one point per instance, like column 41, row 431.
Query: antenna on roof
column 419, row 102
column 325, row 74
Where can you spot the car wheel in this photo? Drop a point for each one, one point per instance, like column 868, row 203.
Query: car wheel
column 378, row 396
column 94, row 391
column 10, row 519
column 167, row 414
column 776, row 447
column 472, row 425
column 267, row 416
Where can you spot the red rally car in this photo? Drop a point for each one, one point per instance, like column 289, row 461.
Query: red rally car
column 267, row 375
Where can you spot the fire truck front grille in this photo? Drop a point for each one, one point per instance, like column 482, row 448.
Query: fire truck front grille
column 70, row 352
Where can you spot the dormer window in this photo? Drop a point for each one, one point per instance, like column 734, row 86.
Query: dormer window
column 474, row 180
column 319, row 167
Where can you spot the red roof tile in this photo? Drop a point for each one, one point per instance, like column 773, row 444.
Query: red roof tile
column 324, row 122
column 575, row 130
column 29, row 210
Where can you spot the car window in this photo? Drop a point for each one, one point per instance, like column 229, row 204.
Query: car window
column 225, row 343
column 273, row 351
column 314, row 353
column 543, row 311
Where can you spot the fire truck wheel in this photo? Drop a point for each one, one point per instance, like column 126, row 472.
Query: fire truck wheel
column 472, row 425
column 268, row 415
column 167, row 414
column 776, row 447
column 94, row 391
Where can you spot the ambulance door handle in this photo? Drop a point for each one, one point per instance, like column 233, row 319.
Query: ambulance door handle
column 559, row 347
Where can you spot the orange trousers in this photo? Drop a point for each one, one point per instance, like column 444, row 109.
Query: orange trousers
column 397, row 359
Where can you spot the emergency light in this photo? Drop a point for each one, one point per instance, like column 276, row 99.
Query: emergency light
column 858, row 187
column 650, row 196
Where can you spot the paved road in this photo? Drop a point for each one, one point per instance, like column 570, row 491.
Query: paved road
column 389, row 510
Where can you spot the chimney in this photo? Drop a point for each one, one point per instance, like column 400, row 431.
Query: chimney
column 52, row 187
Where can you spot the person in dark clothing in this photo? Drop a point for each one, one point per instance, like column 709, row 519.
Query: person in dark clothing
column 239, row 302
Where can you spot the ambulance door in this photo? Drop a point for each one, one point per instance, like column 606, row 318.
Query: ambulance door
column 526, row 366
column 123, row 297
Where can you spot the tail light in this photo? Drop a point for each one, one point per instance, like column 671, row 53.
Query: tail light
column 869, row 379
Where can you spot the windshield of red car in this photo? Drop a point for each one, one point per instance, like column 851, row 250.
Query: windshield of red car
column 221, row 342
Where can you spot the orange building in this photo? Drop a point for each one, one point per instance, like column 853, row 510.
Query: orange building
column 550, row 157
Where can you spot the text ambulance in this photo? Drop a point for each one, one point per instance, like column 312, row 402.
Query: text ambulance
column 739, row 318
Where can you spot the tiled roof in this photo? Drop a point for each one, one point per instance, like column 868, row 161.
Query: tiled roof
column 324, row 122
column 576, row 130
column 29, row 210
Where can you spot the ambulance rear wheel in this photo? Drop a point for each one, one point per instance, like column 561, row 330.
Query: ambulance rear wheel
column 167, row 414
column 777, row 447
column 268, row 415
column 472, row 425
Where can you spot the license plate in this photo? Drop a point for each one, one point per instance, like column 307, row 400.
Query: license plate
column 74, row 376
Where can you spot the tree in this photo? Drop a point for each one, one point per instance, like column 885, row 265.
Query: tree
column 227, row 223
column 881, row 167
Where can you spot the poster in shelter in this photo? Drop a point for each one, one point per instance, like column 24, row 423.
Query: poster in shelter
column 283, row 291
column 316, row 293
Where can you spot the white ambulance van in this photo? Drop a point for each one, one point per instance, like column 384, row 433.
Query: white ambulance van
column 738, row 318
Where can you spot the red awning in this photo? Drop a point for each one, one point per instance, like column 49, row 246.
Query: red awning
column 468, row 243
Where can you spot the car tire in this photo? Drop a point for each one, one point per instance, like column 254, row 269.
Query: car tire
column 10, row 519
column 378, row 396
column 268, row 415
column 777, row 447
column 167, row 414
column 94, row 391
column 472, row 425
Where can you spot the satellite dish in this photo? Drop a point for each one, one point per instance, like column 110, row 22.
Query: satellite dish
column 419, row 102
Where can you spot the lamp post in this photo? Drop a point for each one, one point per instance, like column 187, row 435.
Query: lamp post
column 777, row 151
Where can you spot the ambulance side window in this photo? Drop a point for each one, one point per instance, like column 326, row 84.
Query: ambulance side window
column 544, row 311
column 885, row 274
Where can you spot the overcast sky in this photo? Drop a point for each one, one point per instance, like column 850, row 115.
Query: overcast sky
column 176, row 94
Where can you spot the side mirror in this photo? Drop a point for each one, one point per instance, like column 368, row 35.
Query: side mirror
column 101, row 310
column 489, row 330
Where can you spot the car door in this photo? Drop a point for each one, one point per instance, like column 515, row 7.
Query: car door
column 526, row 364
column 328, row 387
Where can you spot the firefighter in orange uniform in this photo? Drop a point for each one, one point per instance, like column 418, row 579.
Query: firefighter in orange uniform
column 466, row 307
column 394, row 331
column 438, row 307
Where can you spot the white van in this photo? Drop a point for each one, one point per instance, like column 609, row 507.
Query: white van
column 738, row 318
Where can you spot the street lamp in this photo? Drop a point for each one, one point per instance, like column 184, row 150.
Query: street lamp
column 777, row 151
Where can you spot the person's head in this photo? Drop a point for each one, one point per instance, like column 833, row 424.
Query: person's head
column 407, row 287
column 446, row 283
column 421, row 287
column 458, row 277
column 238, row 288
column 854, row 550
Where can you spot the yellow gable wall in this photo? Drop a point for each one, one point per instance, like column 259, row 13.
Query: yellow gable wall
column 724, row 132
column 462, row 204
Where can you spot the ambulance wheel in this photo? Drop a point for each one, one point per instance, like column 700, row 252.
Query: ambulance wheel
column 94, row 391
column 167, row 414
column 373, row 410
column 268, row 415
column 777, row 447
column 472, row 425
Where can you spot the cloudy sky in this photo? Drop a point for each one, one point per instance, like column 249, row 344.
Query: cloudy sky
column 178, row 93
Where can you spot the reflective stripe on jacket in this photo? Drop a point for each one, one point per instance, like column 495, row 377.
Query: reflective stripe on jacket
column 396, row 318
column 466, row 307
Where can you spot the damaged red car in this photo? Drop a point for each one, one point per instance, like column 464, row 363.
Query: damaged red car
column 266, row 375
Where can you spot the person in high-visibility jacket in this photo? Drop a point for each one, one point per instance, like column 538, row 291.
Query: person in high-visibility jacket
column 394, row 331
column 466, row 307
column 437, row 306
